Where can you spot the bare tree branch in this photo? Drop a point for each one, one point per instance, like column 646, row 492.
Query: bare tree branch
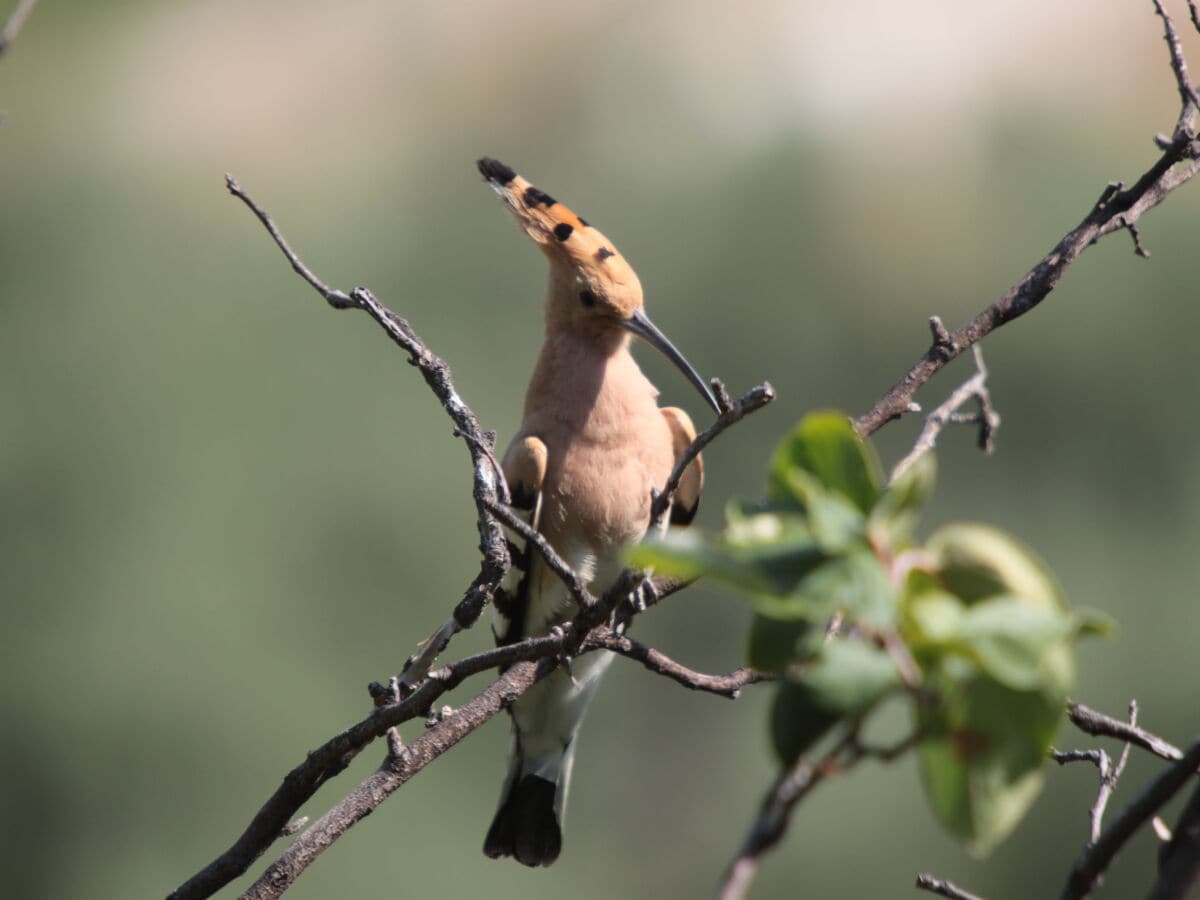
column 396, row 771
column 328, row 760
column 559, row 566
column 1098, row 724
column 413, row 693
column 574, row 638
column 1187, row 93
column 986, row 418
column 1109, row 774
column 927, row 882
column 772, row 820
column 726, row 685
column 1118, row 208
column 332, row 757
column 392, row 775
column 1097, row 856
column 752, row 401
column 487, row 480
column 790, row 787
column 16, row 21
column 1179, row 861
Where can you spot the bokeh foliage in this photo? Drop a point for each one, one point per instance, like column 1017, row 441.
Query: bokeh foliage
column 850, row 607
column 224, row 508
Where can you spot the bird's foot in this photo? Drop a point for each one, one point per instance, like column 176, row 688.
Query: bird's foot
column 558, row 632
column 644, row 595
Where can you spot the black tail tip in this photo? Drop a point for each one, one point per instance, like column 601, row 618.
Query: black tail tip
column 495, row 171
column 525, row 826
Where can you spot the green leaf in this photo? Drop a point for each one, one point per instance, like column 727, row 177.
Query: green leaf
column 932, row 618
column 1000, row 670
column 983, row 750
column 1093, row 623
column 844, row 681
column 849, row 676
column 796, row 722
column 1010, row 639
column 826, row 446
column 775, row 644
column 768, row 553
column 894, row 518
column 679, row 553
column 998, row 659
column 835, row 522
column 854, row 583
column 767, row 530
column 978, row 561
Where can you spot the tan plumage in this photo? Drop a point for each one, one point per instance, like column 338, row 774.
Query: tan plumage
column 687, row 497
column 592, row 445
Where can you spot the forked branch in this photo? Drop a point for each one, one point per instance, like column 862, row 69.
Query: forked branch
column 1096, row 856
column 413, row 693
column 1118, row 208
column 790, row 787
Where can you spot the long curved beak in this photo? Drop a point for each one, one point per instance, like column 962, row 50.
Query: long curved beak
column 639, row 323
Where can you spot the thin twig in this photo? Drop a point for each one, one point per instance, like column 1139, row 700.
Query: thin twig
column 1096, row 857
column 725, row 685
column 1179, row 861
column 563, row 642
column 16, row 21
column 947, row 413
column 1098, row 758
column 1109, row 774
column 392, row 775
column 927, row 882
column 486, row 447
column 487, row 479
column 754, row 399
column 295, row 826
column 319, row 765
column 1098, row 724
column 1136, row 235
column 569, row 577
column 771, row 823
column 335, row 298
column 721, row 393
column 1187, row 93
column 1118, row 208
column 789, row 788
column 528, row 662
column 332, row 757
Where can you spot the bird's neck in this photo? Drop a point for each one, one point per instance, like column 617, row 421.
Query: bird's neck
column 586, row 380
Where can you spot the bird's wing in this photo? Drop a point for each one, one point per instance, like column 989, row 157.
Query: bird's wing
column 524, row 469
column 687, row 498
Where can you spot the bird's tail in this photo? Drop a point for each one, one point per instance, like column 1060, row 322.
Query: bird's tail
column 525, row 826
column 530, row 821
column 528, row 826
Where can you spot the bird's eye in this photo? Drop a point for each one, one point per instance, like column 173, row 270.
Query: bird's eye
column 587, row 298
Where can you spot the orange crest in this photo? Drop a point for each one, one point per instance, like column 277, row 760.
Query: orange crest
column 586, row 268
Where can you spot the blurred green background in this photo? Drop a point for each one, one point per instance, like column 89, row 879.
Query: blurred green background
column 227, row 508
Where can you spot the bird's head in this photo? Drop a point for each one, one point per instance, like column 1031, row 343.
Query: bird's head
column 592, row 286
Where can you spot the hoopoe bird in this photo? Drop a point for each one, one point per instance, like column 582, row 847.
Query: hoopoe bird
column 592, row 444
